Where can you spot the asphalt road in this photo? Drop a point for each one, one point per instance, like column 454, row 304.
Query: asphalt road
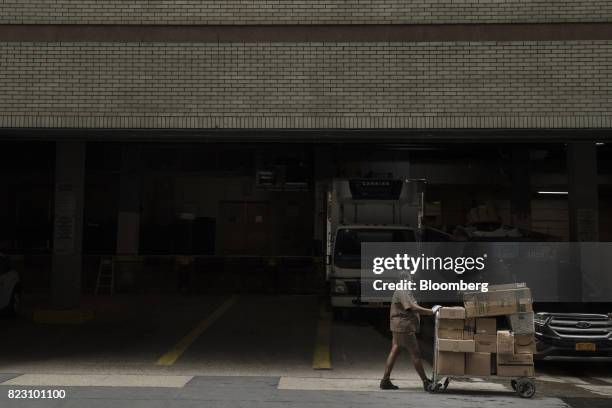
column 246, row 351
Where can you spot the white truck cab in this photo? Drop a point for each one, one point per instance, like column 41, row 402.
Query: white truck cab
column 366, row 210
column 10, row 287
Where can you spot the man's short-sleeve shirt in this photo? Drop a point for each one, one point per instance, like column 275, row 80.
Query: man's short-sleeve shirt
column 402, row 316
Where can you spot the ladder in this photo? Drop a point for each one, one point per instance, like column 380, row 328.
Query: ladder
column 106, row 275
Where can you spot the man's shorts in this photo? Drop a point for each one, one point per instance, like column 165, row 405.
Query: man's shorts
column 405, row 340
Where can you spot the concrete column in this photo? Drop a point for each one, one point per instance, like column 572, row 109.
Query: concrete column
column 323, row 171
column 583, row 220
column 128, row 219
column 520, row 197
column 583, row 194
column 68, row 224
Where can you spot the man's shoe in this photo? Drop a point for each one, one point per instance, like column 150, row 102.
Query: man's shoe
column 427, row 384
column 386, row 384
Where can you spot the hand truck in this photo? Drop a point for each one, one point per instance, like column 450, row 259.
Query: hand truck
column 524, row 386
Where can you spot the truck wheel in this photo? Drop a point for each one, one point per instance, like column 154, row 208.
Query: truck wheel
column 15, row 303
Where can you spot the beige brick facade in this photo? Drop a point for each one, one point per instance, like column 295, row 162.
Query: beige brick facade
column 307, row 85
column 301, row 11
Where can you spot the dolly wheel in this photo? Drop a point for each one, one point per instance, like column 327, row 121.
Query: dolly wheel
column 433, row 387
column 525, row 387
column 513, row 384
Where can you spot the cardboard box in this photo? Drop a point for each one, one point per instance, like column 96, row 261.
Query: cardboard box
column 450, row 363
column 463, row 346
column 515, row 359
column 450, row 329
column 515, row 370
column 478, row 364
column 507, row 286
column 497, row 302
column 524, row 344
column 486, row 325
column 455, row 312
column 485, row 343
column 505, row 342
column 469, row 329
column 522, row 323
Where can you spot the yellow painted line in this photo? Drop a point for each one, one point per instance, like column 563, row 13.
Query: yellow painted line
column 321, row 359
column 177, row 351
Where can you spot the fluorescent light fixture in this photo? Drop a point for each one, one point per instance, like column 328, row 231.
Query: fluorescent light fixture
column 553, row 192
column 599, row 144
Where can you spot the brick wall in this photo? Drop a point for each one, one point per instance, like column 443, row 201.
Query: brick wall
column 301, row 11
column 307, row 85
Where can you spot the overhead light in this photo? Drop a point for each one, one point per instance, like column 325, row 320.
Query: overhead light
column 553, row 192
column 599, row 144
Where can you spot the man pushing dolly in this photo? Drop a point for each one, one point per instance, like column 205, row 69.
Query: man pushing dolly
column 405, row 323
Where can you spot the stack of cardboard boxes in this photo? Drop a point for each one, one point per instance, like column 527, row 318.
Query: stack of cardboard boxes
column 469, row 342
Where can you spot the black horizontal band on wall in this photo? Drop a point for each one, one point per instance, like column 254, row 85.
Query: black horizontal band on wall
column 305, row 33
column 365, row 136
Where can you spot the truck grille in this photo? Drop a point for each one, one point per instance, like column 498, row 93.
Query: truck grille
column 581, row 326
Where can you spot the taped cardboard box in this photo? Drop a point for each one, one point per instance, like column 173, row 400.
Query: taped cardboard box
column 486, row 325
column 469, row 329
column 463, row 346
column 524, row 344
column 515, row 359
column 497, row 302
column 450, row 363
column 505, row 342
column 507, row 286
column 485, row 343
column 515, row 370
column 455, row 312
column 522, row 323
column 478, row 364
column 450, row 329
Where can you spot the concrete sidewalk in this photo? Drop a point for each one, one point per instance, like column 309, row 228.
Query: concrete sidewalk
column 270, row 392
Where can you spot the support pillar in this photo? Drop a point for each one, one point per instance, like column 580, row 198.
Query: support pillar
column 68, row 225
column 323, row 172
column 583, row 194
column 583, row 203
column 128, row 219
column 520, row 202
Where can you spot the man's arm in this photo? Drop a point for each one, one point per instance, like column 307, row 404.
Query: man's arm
column 421, row 310
column 409, row 302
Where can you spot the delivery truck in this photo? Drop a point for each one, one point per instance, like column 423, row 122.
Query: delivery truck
column 361, row 211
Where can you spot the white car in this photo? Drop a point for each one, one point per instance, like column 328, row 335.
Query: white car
column 10, row 291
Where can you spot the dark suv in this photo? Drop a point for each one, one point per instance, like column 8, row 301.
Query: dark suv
column 573, row 334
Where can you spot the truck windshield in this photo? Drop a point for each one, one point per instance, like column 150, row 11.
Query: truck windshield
column 348, row 243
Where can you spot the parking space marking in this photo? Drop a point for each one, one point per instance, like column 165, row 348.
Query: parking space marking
column 321, row 359
column 177, row 351
column 98, row 380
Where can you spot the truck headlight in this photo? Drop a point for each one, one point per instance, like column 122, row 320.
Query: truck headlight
column 340, row 287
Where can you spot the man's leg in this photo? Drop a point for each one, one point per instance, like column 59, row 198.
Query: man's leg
column 386, row 383
column 417, row 360
column 395, row 350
